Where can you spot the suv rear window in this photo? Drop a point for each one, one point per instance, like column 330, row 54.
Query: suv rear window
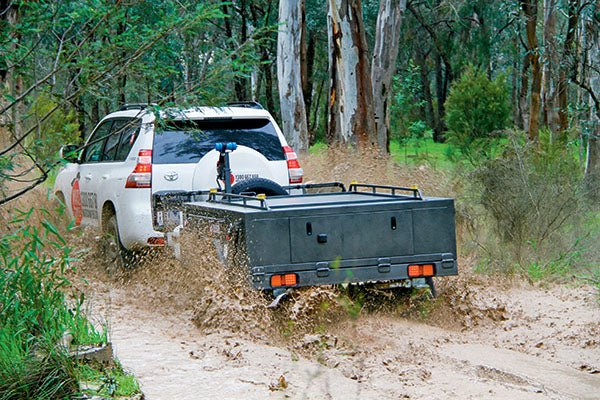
column 179, row 142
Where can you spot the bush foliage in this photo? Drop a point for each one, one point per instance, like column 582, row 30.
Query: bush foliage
column 35, row 313
column 477, row 108
column 527, row 208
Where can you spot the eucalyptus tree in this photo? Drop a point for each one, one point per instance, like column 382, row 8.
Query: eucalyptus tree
column 289, row 75
column 383, row 67
column 351, row 116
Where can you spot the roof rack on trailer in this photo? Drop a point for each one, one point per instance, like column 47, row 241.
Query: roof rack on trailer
column 137, row 106
column 246, row 104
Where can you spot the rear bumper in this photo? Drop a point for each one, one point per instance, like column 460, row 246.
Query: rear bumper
column 333, row 273
column 135, row 227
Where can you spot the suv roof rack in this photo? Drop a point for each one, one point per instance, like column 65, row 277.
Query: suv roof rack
column 136, row 106
column 246, row 104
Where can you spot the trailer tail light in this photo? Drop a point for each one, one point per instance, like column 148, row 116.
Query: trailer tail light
column 141, row 177
column 284, row 280
column 294, row 170
column 419, row 270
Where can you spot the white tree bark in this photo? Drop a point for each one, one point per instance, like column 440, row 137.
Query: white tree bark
column 351, row 117
column 293, row 113
column 385, row 53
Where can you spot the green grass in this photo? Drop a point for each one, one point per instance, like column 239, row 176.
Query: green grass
column 318, row 148
column 38, row 307
column 423, row 151
column 112, row 381
column 411, row 152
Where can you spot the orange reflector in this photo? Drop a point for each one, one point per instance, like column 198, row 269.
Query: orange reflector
column 156, row 241
column 428, row 270
column 284, row 280
column 414, row 270
column 421, row 270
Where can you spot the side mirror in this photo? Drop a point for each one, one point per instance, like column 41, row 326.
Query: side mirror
column 69, row 153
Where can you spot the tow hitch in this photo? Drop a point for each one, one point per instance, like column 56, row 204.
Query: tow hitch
column 279, row 295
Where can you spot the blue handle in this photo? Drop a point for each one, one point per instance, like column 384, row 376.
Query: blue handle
column 221, row 147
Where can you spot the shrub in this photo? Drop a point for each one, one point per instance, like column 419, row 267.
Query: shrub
column 477, row 108
column 528, row 210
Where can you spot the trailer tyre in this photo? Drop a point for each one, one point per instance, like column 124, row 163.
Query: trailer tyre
column 258, row 186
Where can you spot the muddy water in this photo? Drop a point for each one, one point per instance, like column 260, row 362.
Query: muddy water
column 187, row 332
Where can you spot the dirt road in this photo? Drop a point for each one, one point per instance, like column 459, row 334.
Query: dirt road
column 480, row 339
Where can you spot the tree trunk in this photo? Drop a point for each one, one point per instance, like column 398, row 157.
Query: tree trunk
column 523, row 94
column 567, row 65
column 514, row 97
column 592, row 168
column 551, row 63
column 530, row 8
column 243, row 82
column 308, row 63
column 238, row 82
column 351, row 118
column 440, row 89
column 8, row 18
column 420, row 60
column 312, row 133
column 289, row 78
column 385, row 53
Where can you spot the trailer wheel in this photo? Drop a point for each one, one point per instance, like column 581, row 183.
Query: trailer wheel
column 257, row 186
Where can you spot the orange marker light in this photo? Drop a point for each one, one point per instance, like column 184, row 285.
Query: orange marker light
column 276, row 280
column 428, row 270
column 416, row 270
column 284, row 280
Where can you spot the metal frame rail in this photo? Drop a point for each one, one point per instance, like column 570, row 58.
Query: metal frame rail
column 416, row 192
column 237, row 200
column 261, row 203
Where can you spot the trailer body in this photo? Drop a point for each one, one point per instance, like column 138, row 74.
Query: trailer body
column 366, row 234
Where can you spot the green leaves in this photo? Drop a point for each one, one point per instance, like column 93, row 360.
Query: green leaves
column 35, row 313
column 477, row 110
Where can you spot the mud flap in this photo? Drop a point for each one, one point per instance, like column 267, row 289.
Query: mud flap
column 429, row 281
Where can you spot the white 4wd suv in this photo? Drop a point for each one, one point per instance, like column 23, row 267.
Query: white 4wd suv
column 132, row 154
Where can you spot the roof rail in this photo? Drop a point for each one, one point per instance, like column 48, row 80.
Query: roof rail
column 246, row 104
column 136, row 106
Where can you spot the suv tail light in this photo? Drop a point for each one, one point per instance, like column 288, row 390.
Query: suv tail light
column 294, row 170
column 141, row 177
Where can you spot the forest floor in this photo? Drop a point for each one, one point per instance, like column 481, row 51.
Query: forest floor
column 188, row 334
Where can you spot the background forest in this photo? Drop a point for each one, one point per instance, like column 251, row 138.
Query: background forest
column 362, row 73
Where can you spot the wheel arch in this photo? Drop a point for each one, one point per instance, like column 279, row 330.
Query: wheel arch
column 108, row 209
